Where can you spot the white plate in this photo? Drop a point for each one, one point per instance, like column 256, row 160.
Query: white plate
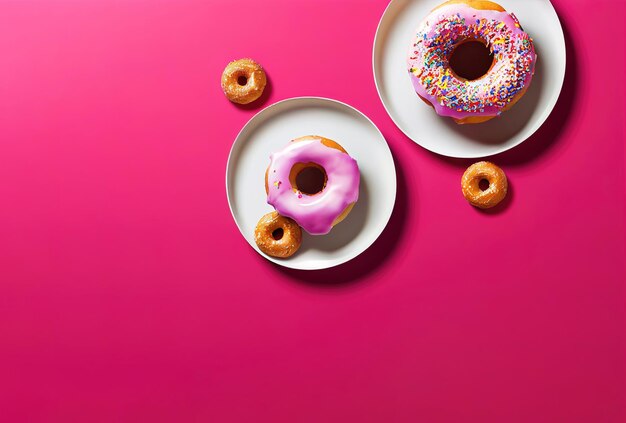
column 270, row 130
column 441, row 135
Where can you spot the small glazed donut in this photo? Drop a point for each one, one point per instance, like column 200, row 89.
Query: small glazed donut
column 277, row 236
column 243, row 81
column 457, row 22
column 315, row 210
column 493, row 193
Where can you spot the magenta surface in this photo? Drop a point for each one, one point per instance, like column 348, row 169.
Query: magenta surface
column 315, row 213
column 127, row 294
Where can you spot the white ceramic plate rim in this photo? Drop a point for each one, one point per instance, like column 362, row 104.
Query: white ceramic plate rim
column 538, row 123
column 329, row 263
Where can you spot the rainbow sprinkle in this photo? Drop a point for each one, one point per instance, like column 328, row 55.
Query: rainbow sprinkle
column 512, row 50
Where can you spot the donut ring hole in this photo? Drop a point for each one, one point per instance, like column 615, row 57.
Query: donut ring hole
column 471, row 59
column 308, row 178
column 242, row 80
column 482, row 183
column 278, row 233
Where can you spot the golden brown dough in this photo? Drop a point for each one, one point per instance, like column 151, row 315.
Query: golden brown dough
column 495, row 192
column 243, row 81
column 476, row 4
column 278, row 236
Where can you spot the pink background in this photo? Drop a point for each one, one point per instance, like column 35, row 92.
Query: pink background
column 127, row 293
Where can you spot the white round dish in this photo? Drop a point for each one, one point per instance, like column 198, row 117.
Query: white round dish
column 441, row 135
column 270, row 130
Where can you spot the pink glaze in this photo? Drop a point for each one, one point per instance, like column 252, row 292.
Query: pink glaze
column 314, row 213
column 438, row 35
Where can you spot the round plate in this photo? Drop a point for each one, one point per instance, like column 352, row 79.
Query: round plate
column 440, row 134
column 270, row 130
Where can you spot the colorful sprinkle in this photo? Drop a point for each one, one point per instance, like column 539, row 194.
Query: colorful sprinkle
column 512, row 49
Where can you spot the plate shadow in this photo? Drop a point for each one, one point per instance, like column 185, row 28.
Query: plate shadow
column 510, row 123
column 352, row 271
column 344, row 232
column 549, row 134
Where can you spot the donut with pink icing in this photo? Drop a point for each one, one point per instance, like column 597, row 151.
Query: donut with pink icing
column 338, row 191
column 449, row 26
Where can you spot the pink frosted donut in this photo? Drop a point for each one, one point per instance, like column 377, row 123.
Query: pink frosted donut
column 315, row 212
column 452, row 24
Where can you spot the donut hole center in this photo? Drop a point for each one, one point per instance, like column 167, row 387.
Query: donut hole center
column 483, row 184
column 278, row 233
column 310, row 178
column 242, row 80
column 471, row 59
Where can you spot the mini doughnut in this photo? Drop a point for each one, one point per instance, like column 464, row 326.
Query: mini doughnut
column 278, row 236
column 243, row 81
column 493, row 194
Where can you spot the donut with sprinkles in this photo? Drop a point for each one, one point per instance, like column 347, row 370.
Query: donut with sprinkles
column 452, row 24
